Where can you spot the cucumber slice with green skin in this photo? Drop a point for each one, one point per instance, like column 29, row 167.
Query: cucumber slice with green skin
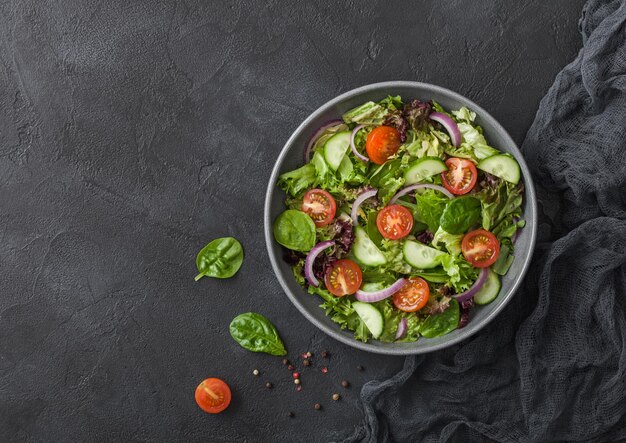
column 490, row 289
column 365, row 251
column 335, row 148
column 503, row 166
column 421, row 256
column 371, row 316
column 424, row 168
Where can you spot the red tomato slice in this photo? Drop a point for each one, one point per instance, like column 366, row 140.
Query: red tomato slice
column 413, row 296
column 481, row 248
column 382, row 143
column 343, row 277
column 460, row 177
column 394, row 222
column 320, row 206
column 213, row 395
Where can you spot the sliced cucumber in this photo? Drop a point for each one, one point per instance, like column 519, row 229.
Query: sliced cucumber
column 371, row 316
column 490, row 289
column 424, row 168
column 365, row 251
column 335, row 148
column 421, row 256
column 503, row 166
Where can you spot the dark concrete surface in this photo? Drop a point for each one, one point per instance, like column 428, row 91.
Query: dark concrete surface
column 134, row 132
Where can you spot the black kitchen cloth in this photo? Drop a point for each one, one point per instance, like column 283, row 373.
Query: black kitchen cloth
column 552, row 365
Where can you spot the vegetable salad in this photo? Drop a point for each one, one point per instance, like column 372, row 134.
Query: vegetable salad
column 402, row 218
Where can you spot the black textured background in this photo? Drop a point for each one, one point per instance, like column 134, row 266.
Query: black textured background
column 134, row 132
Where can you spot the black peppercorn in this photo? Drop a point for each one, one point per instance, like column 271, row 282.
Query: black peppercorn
column 285, row 361
column 325, row 354
column 290, row 414
column 306, row 362
column 269, row 385
column 360, row 368
column 317, row 406
column 345, row 383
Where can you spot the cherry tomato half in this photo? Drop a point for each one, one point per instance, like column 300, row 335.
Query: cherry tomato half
column 481, row 248
column 320, row 206
column 213, row 395
column 413, row 296
column 460, row 177
column 343, row 277
column 394, row 222
column 382, row 143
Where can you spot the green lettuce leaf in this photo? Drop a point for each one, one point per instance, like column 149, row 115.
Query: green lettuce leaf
column 430, row 206
column 297, row 181
column 371, row 113
column 451, row 242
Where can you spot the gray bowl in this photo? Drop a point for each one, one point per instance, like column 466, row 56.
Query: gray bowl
column 291, row 157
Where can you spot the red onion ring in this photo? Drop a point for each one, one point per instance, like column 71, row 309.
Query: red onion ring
column 316, row 135
column 480, row 281
column 402, row 328
column 450, row 126
column 310, row 259
column 408, row 189
column 360, row 199
column 356, row 153
column 371, row 297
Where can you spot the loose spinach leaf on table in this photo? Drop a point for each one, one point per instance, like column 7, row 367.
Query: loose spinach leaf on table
column 295, row 230
column 256, row 333
column 221, row 258
column 460, row 214
column 440, row 324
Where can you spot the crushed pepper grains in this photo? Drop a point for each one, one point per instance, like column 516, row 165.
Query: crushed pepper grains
column 290, row 414
column 336, row 397
column 324, row 369
column 256, row 372
column 290, row 367
column 325, row 354
column 285, row 361
column 299, row 388
column 345, row 383
column 360, row 368
column 306, row 362
column 317, row 406
column 269, row 385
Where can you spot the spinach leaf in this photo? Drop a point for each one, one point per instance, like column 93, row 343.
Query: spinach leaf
column 257, row 334
column 460, row 214
column 430, row 205
column 440, row 324
column 221, row 258
column 295, row 230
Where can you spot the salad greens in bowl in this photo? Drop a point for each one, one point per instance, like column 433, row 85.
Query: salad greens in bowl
column 400, row 218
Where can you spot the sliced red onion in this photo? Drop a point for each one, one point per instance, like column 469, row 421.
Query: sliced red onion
column 408, row 189
column 316, row 135
column 360, row 199
column 371, row 297
column 356, row 153
column 480, row 281
column 310, row 259
column 402, row 327
column 450, row 125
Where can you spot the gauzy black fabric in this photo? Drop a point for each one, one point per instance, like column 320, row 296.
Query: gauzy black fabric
column 552, row 366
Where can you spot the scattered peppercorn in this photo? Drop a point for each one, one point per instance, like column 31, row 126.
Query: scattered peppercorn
column 268, row 385
column 360, row 368
column 299, row 388
column 309, row 355
column 297, row 381
column 324, row 369
column 285, row 361
column 306, row 362
column 290, row 414
column 317, row 406
column 290, row 367
column 296, row 375
column 325, row 354
column 336, row 397
column 345, row 383
column 256, row 372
